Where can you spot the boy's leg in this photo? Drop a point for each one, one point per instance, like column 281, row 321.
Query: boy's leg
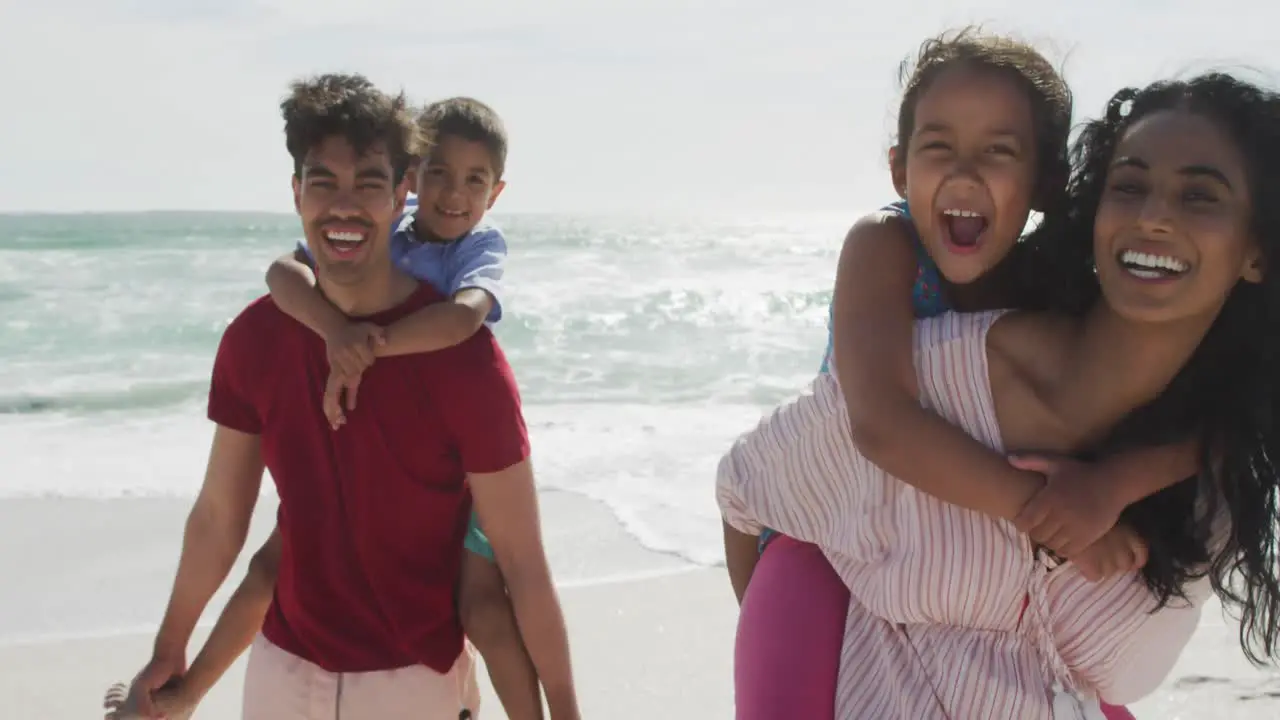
column 490, row 623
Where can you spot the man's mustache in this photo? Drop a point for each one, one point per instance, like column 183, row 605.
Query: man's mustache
column 345, row 221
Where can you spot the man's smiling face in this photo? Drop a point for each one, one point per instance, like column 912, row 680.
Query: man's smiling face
column 348, row 202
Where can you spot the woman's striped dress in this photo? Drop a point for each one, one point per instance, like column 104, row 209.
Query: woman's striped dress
column 952, row 614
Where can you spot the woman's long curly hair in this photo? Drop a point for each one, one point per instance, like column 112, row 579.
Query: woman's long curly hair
column 1227, row 396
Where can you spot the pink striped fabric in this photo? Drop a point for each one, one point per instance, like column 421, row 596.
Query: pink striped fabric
column 935, row 627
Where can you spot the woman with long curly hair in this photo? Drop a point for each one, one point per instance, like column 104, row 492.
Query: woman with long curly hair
column 1166, row 333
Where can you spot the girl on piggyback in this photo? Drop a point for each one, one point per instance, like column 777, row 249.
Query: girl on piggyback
column 982, row 141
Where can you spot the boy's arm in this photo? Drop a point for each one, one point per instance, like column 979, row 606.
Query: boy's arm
column 239, row 623
column 873, row 326
column 293, row 288
column 475, row 287
column 507, row 505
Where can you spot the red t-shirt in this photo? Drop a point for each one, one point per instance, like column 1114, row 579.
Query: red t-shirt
column 371, row 515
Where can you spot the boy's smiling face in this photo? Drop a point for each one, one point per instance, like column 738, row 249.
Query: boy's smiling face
column 457, row 184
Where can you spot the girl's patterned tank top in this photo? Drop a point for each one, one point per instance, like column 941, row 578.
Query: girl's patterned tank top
column 926, row 295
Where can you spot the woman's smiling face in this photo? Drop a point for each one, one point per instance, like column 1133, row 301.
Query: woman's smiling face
column 1173, row 235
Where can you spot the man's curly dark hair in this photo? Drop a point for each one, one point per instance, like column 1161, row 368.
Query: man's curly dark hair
column 349, row 105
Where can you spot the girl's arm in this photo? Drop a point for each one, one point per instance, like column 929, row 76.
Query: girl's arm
column 1143, row 472
column 1082, row 501
column 293, row 288
column 873, row 324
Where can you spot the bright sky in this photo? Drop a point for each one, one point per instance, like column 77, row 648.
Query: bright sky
column 647, row 106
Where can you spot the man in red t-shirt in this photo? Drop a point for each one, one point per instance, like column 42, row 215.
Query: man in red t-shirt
column 362, row 622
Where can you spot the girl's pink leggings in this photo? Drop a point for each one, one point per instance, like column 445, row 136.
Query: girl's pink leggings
column 790, row 631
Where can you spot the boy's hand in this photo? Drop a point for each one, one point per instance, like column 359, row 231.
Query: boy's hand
column 1077, row 506
column 120, row 704
column 350, row 349
column 340, row 387
column 1119, row 551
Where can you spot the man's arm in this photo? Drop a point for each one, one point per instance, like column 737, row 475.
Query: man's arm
column 507, row 505
column 215, row 533
column 480, row 404
column 239, row 623
column 473, row 282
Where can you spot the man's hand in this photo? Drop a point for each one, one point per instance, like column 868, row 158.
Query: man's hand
column 140, row 698
column 350, row 349
column 1077, row 506
column 173, row 701
column 176, row 701
column 1119, row 551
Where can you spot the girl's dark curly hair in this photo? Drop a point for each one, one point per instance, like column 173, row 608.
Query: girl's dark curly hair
column 1047, row 91
column 1227, row 396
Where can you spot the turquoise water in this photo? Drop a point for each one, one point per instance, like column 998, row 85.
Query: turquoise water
column 642, row 346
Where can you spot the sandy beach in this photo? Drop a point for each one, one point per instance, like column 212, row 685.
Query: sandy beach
column 652, row 636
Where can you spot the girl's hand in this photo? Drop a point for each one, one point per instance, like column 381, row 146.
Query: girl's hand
column 1078, row 505
column 1119, row 551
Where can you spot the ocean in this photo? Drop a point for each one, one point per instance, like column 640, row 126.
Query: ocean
column 642, row 345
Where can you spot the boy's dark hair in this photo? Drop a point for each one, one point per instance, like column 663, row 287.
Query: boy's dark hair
column 351, row 106
column 468, row 119
column 1050, row 97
